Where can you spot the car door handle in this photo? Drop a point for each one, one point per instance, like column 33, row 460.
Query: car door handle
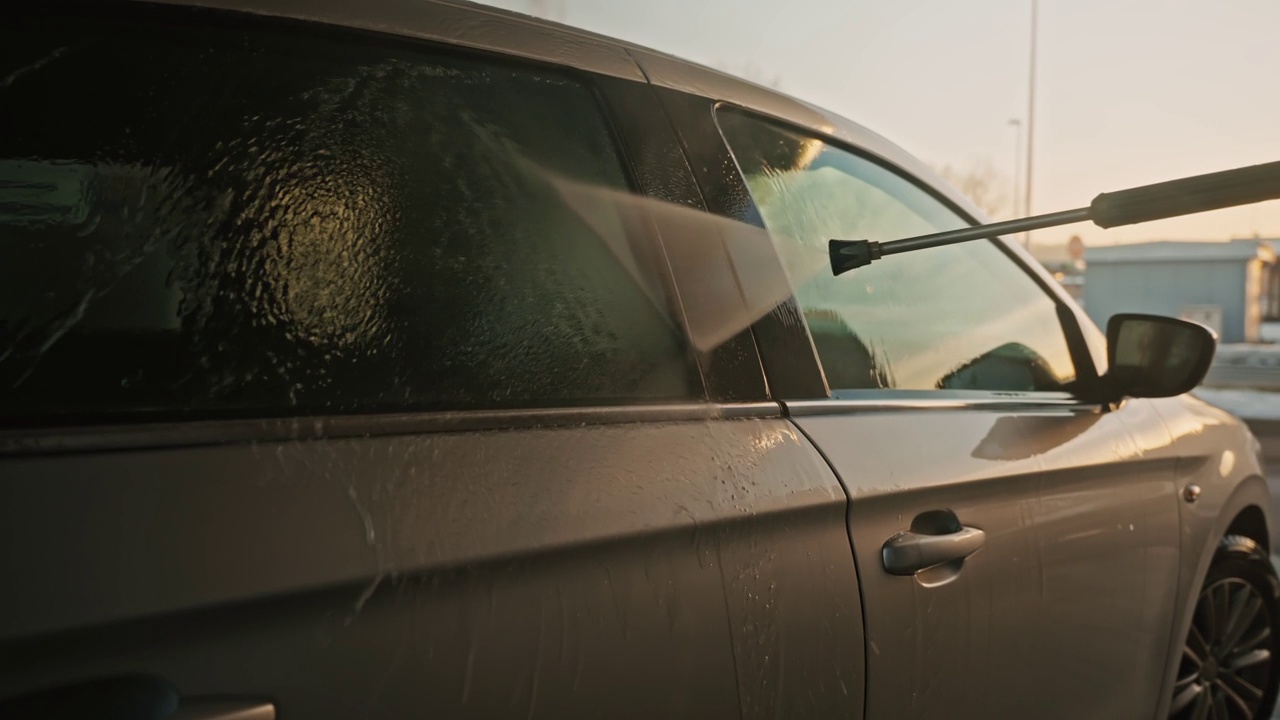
column 907, row 553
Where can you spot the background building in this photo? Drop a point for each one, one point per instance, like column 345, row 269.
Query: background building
column 1066, row 263
column 1229, row 286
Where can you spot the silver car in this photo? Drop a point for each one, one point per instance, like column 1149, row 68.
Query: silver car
column 408, row 358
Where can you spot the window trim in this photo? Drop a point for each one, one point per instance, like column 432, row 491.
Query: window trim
column 1073, row 334
column 305, row 428
column 915, row 400
column 773, row 337
column 737, row 375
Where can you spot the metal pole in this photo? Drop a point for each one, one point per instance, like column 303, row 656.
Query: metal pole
column 1031, row 115
column 1066, row 217
column 1017, row 166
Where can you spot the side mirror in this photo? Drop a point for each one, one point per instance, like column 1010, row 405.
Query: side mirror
column 1151, row 356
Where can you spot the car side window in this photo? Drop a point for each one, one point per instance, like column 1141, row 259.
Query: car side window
column 240, row 218
column 961, row 317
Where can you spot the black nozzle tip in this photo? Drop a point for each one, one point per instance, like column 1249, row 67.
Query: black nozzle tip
column 849, row 255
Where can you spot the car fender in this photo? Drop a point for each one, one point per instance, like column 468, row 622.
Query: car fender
column 1218, row 461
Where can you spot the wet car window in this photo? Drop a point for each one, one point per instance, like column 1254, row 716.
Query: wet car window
column 962, row 317
column 250, row 219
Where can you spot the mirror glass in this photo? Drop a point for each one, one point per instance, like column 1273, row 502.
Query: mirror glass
column 1154, row 356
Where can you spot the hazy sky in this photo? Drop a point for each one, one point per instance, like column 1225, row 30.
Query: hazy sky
column 1129, row 92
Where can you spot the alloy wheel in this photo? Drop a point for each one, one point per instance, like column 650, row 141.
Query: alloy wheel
column 1226, row 660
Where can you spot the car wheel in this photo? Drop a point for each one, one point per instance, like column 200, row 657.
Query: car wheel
column 1231, row 654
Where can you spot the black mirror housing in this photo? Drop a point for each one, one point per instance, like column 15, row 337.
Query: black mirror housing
column 1152, row 356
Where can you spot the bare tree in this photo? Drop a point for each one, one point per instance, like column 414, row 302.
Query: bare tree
column 982, row 183
column 548, row 9
column 750, row 71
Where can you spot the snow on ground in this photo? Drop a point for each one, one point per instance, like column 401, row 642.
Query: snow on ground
column 1246, row 367
column 1267, row 355
column 1246, row 404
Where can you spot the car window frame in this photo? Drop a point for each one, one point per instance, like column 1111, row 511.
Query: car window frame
column 648, row 142
column 790, row 373
column 1077, row 345
column 744, row 395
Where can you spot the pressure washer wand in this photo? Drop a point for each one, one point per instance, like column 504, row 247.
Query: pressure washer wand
column 1229, row 188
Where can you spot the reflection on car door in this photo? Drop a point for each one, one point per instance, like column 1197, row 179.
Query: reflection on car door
column 1017, row 551
column 1064, row 611
column 642, row 569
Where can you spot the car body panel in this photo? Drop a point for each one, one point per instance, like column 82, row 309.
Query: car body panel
column 1064, row 611
column 1216, row 452
column 544, row 570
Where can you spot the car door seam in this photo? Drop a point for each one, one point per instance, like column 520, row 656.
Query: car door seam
column 857, row 571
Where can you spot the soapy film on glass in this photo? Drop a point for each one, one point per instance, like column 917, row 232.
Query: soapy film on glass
column 961, row 317
column 216, row 220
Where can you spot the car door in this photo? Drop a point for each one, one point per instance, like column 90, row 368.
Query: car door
column 343, row 378
column 1017, row 551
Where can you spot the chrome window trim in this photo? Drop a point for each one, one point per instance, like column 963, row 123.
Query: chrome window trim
column 1027, row 402
column 91, row 438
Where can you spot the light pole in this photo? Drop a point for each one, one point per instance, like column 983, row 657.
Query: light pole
column 1031, row 116
column 1016, row 124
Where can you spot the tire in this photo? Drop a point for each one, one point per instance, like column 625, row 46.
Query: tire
column 1230, row 665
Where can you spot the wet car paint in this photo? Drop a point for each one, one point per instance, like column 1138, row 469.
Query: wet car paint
column 1071, row 589
column 463, row 572
column 1216, row 452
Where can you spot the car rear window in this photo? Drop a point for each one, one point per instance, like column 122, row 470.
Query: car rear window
column 203, row 215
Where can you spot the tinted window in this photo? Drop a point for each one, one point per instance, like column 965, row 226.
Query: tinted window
column 227, row 218
column 958, row 317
